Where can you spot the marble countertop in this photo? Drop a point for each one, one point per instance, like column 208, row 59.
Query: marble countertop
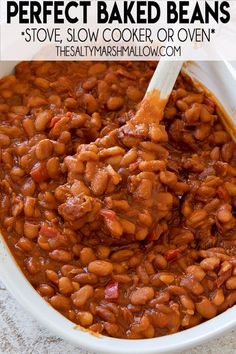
column 21, row 334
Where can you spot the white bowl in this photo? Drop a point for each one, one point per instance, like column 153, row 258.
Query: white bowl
column 220, row 78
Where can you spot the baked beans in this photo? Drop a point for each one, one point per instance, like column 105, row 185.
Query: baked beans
column 122, row 218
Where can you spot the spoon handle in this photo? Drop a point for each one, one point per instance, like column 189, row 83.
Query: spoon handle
column 164, row 77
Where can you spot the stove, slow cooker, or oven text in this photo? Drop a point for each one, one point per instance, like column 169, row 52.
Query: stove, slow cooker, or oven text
column 124, row 225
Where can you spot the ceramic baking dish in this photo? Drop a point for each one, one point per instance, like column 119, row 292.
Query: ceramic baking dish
column 219, row 78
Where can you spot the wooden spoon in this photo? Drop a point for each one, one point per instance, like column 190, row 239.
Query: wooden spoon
column 164, row 78
column 152, row 107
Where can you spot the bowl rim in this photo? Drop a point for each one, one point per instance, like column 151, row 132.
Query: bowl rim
column 27, row 296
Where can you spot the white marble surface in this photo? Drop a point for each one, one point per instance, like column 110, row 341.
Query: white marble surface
column 21, row 334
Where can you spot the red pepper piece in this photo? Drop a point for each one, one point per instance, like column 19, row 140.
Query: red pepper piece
column 171, row 255
column 48, row 231
column 222, row 193
column 107, row 213
column 112, row 290
column 54, row 120
column 39, row 172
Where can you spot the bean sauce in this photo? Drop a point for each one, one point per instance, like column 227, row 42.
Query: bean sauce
column 121, row 218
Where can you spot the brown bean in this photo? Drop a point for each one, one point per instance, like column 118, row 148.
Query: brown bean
column 91, row 104
column 25, row 244
column 4, row 107
column 4, row 140
column 193, row 97
column 42, row 83
column 65, row 286
column 45, row 290
column 196, row 218
column 231, row 188
column 218, row 297
column 105, row 314
column 196, row 271
column 53, row 167
column 193, row 285
column 87, row 255
column 227, row 151
column 33, row 265
column 168, row 178
column 224, row 213
column 142, row 295
column 85, row 318
column 153, row 165
column 206, row 308
column 81, row 297
column 112, row 151
column 122, row 255
column 55, row 100
column 28, row 188
column 44, row 149
column 231, row 283
column 52, row 276
column 144, row 190
column 167, row 278
column 60, row 302
column 96, row 68
column 88, row 156
column 221, row 137
column 115, row 103
column 100, row 268
column 60, row 256
column 210, row 263
column 215, row 153
column 192, row 114
column 86, row 278
column 141, row 234
column 70, row 103
column 29, row 127
column 134, row 93
column 160, row 262
column 205, row 115
column 42, row 120
column 114, row 226
column 59, row 148
column 129, row 158
column 90, row 83
column 36, row 101
column 202, row 132
column 69, row 271
column 29, row 206
column 103, row 252
column 30, row 230
column 99, row 182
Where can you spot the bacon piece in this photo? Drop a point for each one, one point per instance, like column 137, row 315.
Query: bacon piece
column 112, row 290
